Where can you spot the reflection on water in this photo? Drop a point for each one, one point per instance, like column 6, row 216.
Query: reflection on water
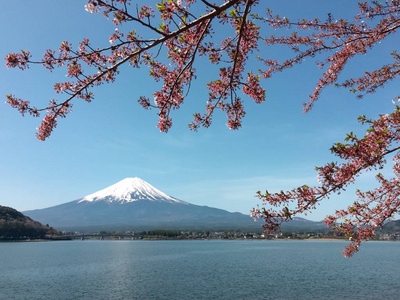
column 198, row 270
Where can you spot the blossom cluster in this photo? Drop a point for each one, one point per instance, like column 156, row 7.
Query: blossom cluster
column 341, row 40
column 371, row 209
column 20, row 60
column 185, row 37
column 22, row 106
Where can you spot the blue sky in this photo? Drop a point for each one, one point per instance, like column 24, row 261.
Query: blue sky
column 113, row 137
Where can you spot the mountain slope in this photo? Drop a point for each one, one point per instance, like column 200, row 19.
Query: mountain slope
column 134, row 204
column 391, row 227
column 14, row 225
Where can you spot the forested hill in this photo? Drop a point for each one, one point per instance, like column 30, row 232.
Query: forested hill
column 392, row 227
column 15, row 226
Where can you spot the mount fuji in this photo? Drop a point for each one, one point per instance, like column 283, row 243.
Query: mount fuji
column 130, row 190
column 134, row 204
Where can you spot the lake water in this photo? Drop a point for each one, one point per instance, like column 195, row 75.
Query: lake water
column 198, row 270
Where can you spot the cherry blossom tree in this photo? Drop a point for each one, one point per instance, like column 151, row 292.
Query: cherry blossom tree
column 170, row 37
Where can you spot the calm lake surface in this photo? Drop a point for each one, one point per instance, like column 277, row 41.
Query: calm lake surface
column 198, row 270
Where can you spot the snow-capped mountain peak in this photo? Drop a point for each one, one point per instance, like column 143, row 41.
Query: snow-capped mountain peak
column 130, row 190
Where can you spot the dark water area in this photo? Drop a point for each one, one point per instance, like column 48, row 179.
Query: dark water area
column 198, row 270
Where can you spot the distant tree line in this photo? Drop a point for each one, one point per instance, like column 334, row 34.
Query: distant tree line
column 161, row 233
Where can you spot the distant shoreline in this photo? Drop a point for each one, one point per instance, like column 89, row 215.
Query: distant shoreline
column 177, row 239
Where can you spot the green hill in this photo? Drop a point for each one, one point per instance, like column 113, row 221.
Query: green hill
column 16, row 226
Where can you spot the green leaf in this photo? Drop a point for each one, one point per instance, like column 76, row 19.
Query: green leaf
column 287, row 213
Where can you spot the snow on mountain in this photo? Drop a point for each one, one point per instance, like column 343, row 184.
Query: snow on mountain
column 133, row 204
column 130, row 190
